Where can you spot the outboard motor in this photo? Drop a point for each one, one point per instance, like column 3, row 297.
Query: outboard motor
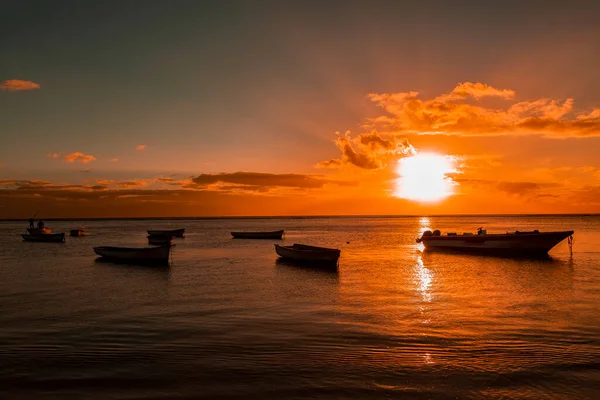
column 425, row 234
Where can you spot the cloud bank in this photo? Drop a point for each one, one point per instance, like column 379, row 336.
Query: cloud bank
column 460, row 112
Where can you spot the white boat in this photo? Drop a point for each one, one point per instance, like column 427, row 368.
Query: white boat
column 147, row 255
column 304, row 253
column 510, row 244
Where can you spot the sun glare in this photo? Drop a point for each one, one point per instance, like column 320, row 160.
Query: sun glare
column 424, row 177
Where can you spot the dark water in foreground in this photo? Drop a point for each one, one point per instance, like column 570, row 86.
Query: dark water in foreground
column 228, row 321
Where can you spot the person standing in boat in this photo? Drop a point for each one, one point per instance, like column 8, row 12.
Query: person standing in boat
column 31, row 223
column 40, row 224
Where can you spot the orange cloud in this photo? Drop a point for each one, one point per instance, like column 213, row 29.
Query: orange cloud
column 454, row 113
column 140, row 147
column 368, row 150
column 79, row 157
column 15, row 85
column 114, row 159
column 53, row 155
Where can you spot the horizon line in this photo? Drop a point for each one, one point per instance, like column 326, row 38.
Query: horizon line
column 304, row 216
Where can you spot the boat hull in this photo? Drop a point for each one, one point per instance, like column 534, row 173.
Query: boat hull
column 48, row 237
column 172, row 232
column 514, row 244
column 160, row 240
column 309, row 254
column 144, row 255
column 258, row 235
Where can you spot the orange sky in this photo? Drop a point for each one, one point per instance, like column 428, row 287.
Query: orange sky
column 298, row 109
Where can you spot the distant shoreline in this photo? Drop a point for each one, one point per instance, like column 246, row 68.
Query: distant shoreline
column 297, row 217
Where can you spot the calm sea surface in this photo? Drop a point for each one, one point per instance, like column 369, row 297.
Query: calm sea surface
column 228, row 321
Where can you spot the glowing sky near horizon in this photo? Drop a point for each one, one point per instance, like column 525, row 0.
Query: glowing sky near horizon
column 259, row 108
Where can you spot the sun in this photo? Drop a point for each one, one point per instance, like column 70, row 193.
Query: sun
column 424, row 177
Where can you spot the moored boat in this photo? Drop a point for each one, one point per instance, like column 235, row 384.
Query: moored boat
column 77, row 232
column 39, row 231
column 145, row 255
column 172, row 232
column 46, row 237
column 160, row 240
column 533, row 243
column 258, row 235
column 312, row 254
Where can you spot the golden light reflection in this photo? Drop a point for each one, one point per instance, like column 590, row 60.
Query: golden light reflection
column 424, row 177
column 424, row 277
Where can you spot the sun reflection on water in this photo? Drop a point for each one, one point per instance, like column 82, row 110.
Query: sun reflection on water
column 424, row 277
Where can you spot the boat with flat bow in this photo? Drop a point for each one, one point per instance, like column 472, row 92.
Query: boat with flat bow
column 532, row 243
column 44, row 237
column 171, row 232
column 143, row 255
column 258, row 235
column 310, row 254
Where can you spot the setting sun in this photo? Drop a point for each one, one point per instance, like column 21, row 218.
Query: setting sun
column 424, row 177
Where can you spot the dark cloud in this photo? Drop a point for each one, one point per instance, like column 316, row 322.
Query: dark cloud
column 262, row 180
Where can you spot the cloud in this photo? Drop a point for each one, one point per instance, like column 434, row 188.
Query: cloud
column 53, row 155
column 128, row 184
column 38, row 186
column 258, row 181
column 1, row 164
column 79, row 157
column 368, row 150
column 140, row 147
column 15, row 85
column 114, row 159
column 459, row 113
column 516, row 188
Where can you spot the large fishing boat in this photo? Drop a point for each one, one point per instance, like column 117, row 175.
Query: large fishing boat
column 511, row 244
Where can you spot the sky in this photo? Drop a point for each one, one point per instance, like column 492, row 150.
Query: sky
column 238, row 108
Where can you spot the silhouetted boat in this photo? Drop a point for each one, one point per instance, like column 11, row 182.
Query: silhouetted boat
column 77, row 232
column 46, row 237
column 172, row 232
column 39, row 231
column 312, row 254
column 160, row 240
column 258, row 235
column 534, row 243
column 145, row 255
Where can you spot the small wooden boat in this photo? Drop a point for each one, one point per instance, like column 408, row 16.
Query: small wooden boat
column 258, row 235
column 173, row 232
column 77, row 232
column 46, row 237
column 534, row 243
column 144, row 255
column 160, row 240
column 39, row 231
column 312, row 254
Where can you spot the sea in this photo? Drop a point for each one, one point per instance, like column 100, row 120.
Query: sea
column 228, row 320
